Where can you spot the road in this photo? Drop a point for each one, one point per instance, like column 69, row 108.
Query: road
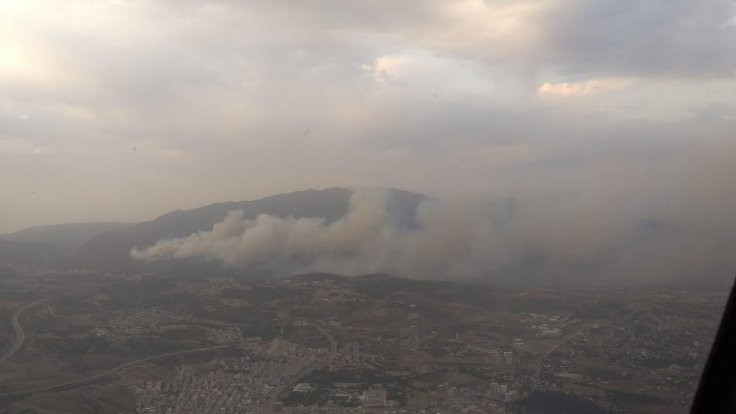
column 315, row 365
column 20, row 335
column 552, row 349
column 330, row 339
column 88, row 380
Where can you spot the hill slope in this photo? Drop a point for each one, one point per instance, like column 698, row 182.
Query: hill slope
column 108, row 245
column 70, row 235
column 113, row 248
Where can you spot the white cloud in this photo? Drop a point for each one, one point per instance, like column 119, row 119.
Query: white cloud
column 389, row 68
column 587, row 87
column 20, row 146
column 728, row 23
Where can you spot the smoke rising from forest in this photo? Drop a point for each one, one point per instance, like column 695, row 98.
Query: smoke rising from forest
column 456, row 239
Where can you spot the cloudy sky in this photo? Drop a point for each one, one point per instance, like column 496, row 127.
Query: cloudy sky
column 123, row 110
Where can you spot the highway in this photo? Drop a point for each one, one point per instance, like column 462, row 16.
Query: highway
column 554, row 348
column 315, row 365
column 330, row 339
column 88, row 380
column 20, row 335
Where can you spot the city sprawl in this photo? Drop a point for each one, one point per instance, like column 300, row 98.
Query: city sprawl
column 322, row 343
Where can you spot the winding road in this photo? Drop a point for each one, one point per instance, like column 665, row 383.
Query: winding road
column 88, row 380
column 20, row 335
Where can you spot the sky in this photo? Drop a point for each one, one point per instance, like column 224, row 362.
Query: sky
column 124, row 110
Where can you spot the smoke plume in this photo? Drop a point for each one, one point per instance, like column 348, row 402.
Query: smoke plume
column 453, row 239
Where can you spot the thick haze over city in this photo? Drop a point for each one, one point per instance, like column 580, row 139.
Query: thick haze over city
column 603, row 125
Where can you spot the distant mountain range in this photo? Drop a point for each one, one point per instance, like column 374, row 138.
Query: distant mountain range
column 108, row 245
column 70, row 235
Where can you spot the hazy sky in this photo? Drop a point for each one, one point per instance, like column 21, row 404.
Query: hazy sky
column 123, row 110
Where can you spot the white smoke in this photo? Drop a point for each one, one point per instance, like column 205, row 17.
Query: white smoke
column 448, row 239
column 237, row 241
column 458, row 239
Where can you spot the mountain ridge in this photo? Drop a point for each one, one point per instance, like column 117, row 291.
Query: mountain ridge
column 109, row 246
column 66, row 234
